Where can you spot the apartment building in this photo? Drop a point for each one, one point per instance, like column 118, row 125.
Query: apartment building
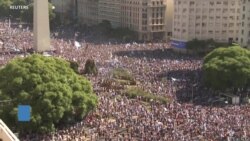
column 110, row 10
column 146, row 17
column 206, row 19
column 88, row 12
column 244, row 36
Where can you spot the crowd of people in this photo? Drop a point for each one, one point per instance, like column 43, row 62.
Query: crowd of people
column 156, row 70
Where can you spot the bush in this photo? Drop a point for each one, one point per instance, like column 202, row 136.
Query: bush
column 134, row 92
column 204, row 45
column 54, row 91
column 90, row 67
column 5, row 8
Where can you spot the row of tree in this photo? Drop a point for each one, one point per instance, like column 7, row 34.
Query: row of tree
column 119, row 33
column 204, row 46
column 25, row 15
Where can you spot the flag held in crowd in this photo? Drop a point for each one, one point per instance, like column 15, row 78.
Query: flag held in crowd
column 77, row 44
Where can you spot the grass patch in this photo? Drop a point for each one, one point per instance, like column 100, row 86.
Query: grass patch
column 134, row 92
column 123, row 74
column 125, row 82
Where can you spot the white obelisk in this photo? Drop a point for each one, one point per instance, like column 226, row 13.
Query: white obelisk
column 41, row 26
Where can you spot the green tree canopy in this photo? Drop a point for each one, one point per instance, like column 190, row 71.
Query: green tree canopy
column 90, row 67
column 5, row 7
column 105, row 27
column 54, row 91
column 227, row 68
column 25, row 15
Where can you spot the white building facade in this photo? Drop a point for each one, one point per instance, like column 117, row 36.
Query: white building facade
column 87, row 12
column 221, row 20
column 146, row 17
column 110, row 10
column 244, row 37
column 206, row 19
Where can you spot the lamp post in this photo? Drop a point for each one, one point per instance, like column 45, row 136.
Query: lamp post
column 9, row 21
column 192, row 93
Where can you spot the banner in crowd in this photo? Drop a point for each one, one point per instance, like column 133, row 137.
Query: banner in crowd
column 178, row 44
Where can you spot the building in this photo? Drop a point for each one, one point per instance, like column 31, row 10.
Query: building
column 206, row 19
column 244, row 36
column 110, row 10
column 87, row 12
column 146, row 17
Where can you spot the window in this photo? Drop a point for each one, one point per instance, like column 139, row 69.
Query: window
column 192, row 2
column 218, row 2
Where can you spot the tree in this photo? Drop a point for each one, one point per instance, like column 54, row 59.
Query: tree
column 227, row 68
column 200, row 46
column 5, row 7
column 105, row 27
column 27, row 15
column 17, row 13
column 54, row 91
column 124, row 33
column 90, row 67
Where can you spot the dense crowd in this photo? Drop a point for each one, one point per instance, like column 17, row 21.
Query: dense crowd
column 158, row 71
